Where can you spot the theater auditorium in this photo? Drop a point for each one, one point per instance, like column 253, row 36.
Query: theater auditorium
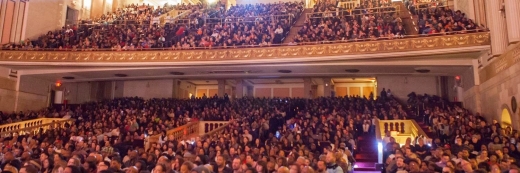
column 259, row 86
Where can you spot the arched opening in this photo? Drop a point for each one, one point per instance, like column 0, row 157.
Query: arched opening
column 506, row 118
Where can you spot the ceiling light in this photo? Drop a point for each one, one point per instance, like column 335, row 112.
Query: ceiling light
column 352, row 70
column 284, row 71
column 176, row 73
column 120, row 75
column 422, row 71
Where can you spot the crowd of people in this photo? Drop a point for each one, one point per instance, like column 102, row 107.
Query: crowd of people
column 461, row 142
column 239, row 26
column 441, row 19
column 137, row 27
column 369, row 21
column 264, row 135
column 133, row 27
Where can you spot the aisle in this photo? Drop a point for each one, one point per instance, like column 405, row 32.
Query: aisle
column 366, row 156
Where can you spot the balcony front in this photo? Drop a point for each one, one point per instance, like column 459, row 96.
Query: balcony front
column 462, row 42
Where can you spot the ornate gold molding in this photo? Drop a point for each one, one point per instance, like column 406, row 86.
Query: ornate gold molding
column 502, row 63
column 336, row 49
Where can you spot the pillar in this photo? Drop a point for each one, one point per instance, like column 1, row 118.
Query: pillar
column 19, row 20
column 221, row 87
column 176, row 87
column 250, row 91
column 512, row 16
column 497, row 25
column 307, row 88
column 3, row 9
column 327, row 87
column 239, row 89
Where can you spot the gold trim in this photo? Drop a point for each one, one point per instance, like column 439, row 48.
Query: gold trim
column 500, row 64
column 336, row 49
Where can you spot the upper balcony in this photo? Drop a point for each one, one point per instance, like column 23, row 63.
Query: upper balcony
column 409, row 45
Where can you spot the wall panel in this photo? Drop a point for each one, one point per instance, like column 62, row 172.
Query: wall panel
column 354, row 91
column 262, row 92
column 212, row 92
column 149, row 88
column 201, row 92
column 8, row 100
column 367, row 91
column 341, row 91
column 401, row 86
column 298, row 93
column 281, row 92
column 44, row 16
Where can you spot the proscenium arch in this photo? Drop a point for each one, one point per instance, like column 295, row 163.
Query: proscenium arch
column 506, row 118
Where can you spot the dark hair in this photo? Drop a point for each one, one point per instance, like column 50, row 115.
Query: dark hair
column 74, row 168
column 91, row 166
column 106, row 171
column 163, row 167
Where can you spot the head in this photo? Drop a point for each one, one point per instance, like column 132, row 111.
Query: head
column 236, row 164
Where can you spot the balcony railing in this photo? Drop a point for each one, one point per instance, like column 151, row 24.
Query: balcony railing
column 400, row 130
column 33, row 126
column 190, row 130
column 315, row 49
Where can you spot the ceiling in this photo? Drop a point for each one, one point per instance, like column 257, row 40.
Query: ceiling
column 262, row 74
column 275, row 71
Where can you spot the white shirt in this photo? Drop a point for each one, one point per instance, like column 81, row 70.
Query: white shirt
column 278, row 31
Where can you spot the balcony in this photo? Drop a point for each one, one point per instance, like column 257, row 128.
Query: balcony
column 33, row 126
column 407, row 44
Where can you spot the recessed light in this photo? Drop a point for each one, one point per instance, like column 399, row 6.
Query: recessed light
column 284, row 71
column 68, row 77
column 352, row 70
column 176, row 73
column 120, row 75
column 422, row 71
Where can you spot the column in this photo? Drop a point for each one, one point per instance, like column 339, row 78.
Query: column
column 512, row 16
column 176, row 88
column 239, row 88
column 250, row 91
column 307, row 88
column 15, row 22
column 19, row 19
column 327, row 87
column 221, row 87
column 497, row 25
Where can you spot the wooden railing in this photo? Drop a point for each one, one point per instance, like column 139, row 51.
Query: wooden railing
column 401, row 130
column 348, row 4
column 210, row 127
column 172, row 16
column 357, row 12
column 33, row 126
column 192, row 129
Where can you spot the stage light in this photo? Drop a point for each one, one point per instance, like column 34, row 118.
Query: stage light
column 379, row 152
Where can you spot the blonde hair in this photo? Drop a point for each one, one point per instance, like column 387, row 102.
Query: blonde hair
column 10, row 168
